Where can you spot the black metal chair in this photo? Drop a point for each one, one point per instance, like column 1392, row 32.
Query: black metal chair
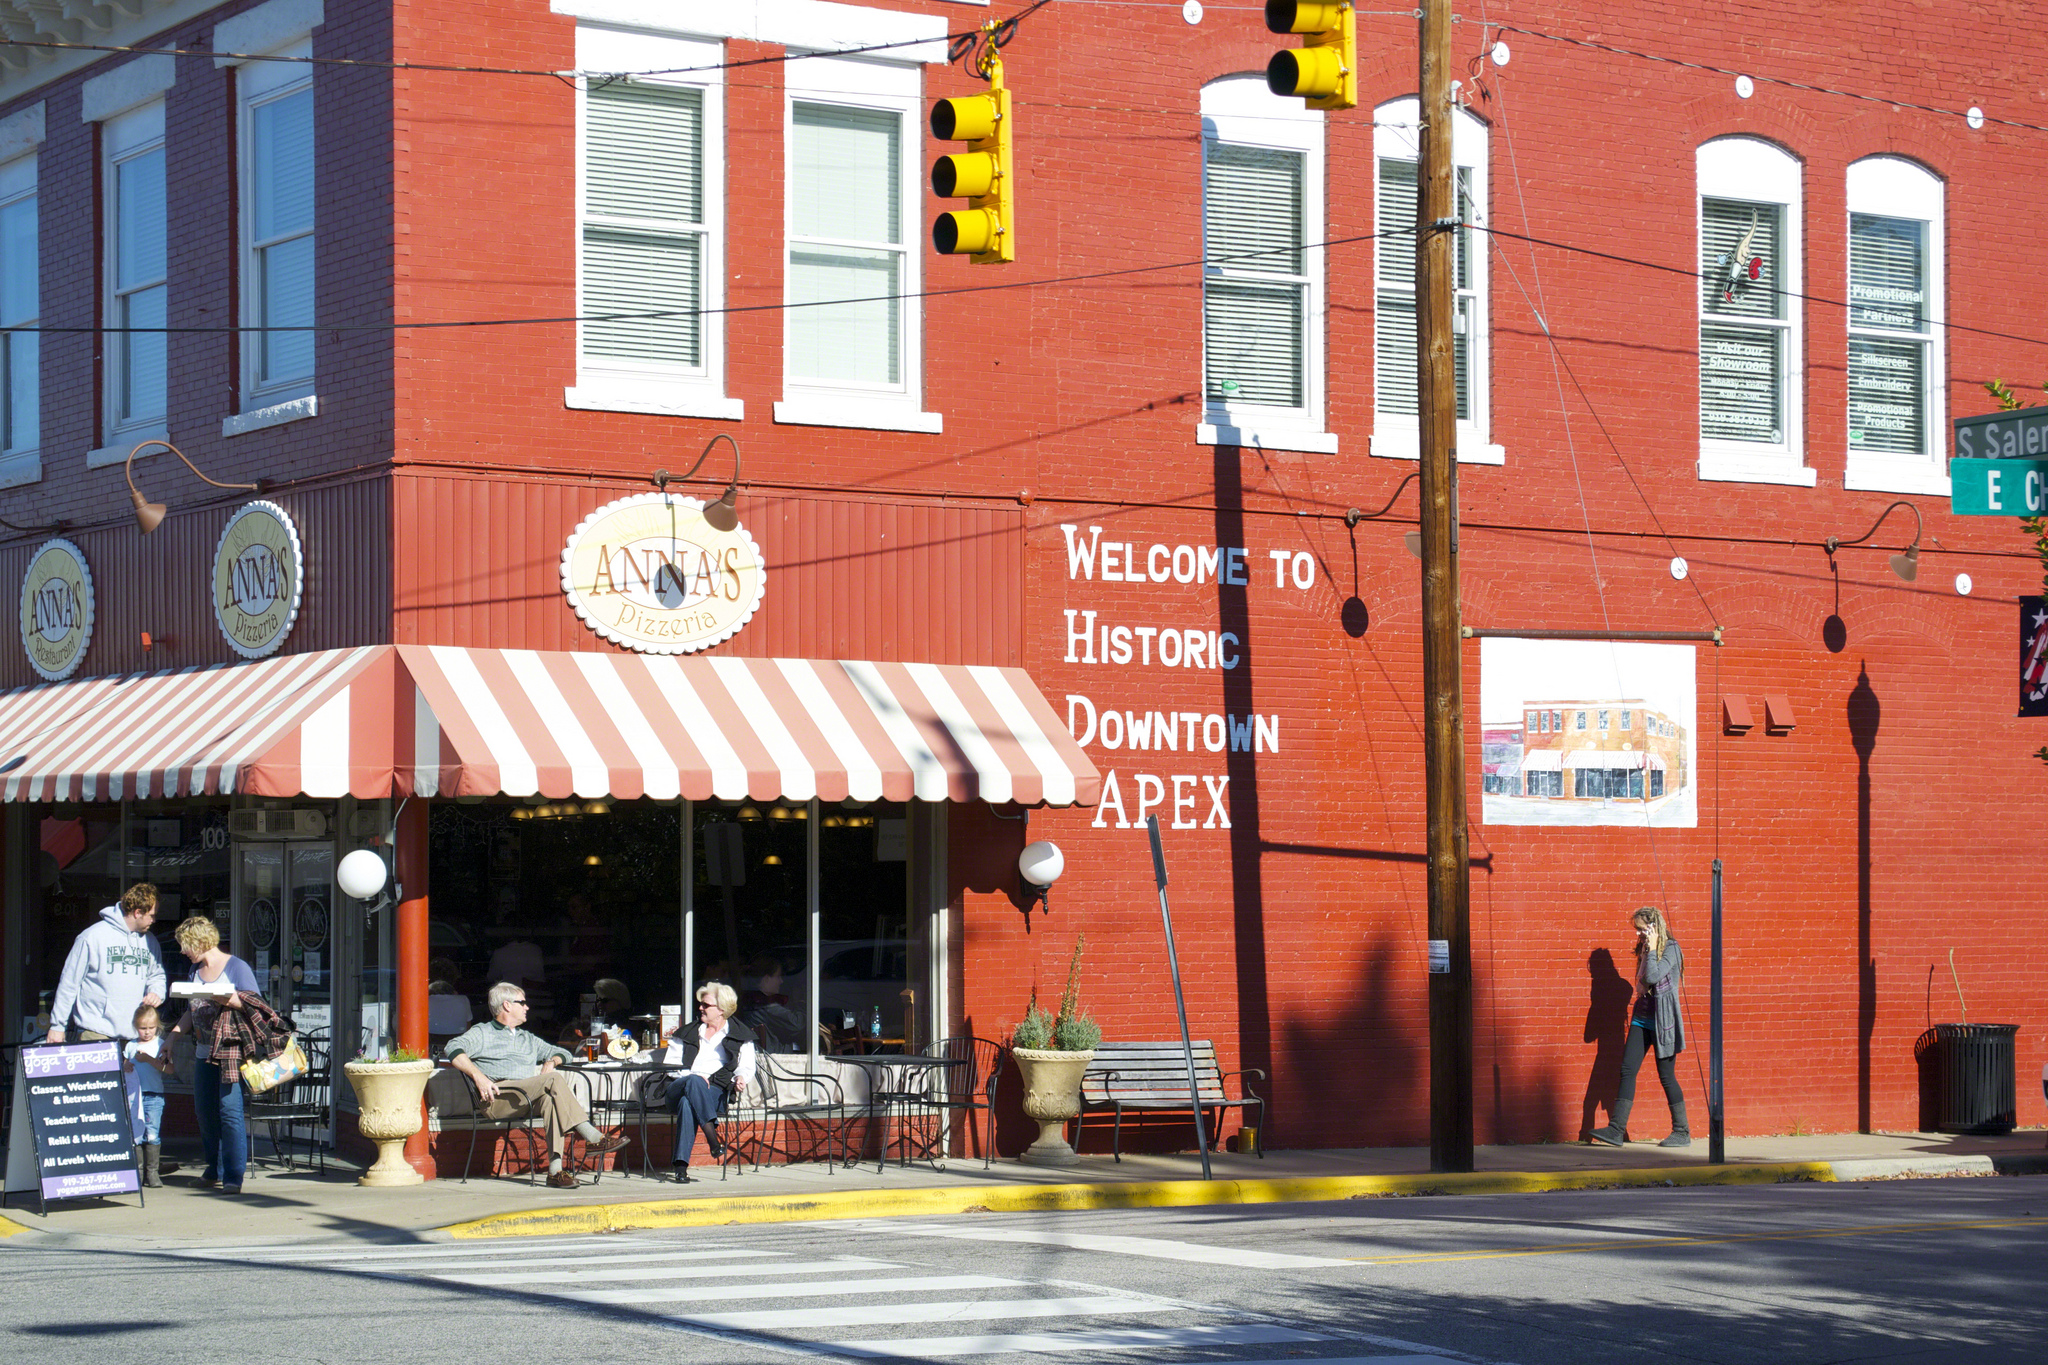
column 300, row 1105
column 443, row 1114
column 970, row 1087
column 786, row 1094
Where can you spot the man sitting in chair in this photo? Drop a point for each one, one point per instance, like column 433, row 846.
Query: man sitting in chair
column 514, row 1073
column 717, row 1056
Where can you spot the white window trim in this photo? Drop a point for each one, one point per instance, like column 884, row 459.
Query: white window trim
column 1397, row 135
column 1893, row 187
column 665, row 390
column 263, row 83
column 148, row 428
column 276, row 415
column 1752, row 170
column 19, row 180
column 813, row 25
column 264, row 29
column 1240, row 111
column 896, row 88
column 128, row 86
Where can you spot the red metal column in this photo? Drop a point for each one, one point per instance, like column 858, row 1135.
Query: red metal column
column 410, row 871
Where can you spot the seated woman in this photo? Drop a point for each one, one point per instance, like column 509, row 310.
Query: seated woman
column 717, row 1056
column 765, row 1010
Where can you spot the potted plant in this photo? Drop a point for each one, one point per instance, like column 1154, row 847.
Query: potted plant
column 388, row 1094
column 1053, row 1052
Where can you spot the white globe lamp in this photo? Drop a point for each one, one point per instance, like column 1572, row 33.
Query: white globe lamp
column 362, row 874
column 1040, row 865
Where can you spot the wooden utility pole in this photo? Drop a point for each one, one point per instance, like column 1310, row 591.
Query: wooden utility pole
column 1450, row 991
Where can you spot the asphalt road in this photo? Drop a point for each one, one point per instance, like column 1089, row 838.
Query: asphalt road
column 1906, row 1272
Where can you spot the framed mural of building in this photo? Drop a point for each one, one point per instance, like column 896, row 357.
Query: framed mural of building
column 1588, row 732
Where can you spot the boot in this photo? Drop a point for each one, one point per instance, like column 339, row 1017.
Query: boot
column 152, row 1153
column 1681, row 1133
column 1616, row 1132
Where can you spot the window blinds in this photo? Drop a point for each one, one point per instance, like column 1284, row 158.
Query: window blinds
column 281, row 235
column 1395, row 377
column 1742, row 339
column 1888, row 370
column 846, row 221
column 18, row 294
column 643, row 224
column 1255, row 294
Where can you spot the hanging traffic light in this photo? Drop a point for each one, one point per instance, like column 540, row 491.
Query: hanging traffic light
column 985, row 231
column 1323, row 71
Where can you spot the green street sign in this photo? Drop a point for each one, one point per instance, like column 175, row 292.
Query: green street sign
column 1998, row 488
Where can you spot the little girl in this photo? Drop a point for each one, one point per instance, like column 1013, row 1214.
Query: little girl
column 151, row 1061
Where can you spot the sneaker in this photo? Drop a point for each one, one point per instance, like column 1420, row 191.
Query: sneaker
column 561, row 1180
column 606, row 1144
column 231, row 1189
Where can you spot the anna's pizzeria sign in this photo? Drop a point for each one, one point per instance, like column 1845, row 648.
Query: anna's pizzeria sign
column 649, row 573
column 259, row 579
column 56, row 609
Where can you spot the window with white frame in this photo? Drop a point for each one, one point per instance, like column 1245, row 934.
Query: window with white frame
column 1750, row 338
column 1896, row 371
column 276, row 118
column 650, row 216
column 136, row 300
column 1262, row 276
column 1397, row 152
column 20, row 375
column 852, row 329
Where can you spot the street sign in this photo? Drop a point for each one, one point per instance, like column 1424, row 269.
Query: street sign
column 1998, row 488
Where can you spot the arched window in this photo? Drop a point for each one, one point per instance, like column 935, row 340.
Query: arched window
column 1896, row 370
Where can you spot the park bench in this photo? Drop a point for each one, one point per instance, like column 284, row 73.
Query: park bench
column 1148, row 1077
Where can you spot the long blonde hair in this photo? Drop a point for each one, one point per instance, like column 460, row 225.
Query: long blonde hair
column 1651, row 918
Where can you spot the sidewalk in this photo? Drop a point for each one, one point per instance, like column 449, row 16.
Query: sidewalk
column 284, row 1206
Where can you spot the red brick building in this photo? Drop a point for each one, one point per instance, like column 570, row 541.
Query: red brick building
column 1703, row 319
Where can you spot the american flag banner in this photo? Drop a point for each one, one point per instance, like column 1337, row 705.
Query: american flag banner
column 2034, row 656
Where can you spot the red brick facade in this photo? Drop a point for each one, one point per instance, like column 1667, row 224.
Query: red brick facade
column 1884, row 829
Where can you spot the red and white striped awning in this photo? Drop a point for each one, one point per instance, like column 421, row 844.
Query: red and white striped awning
column 286, row 726
column 417, row 720
column 523, row 723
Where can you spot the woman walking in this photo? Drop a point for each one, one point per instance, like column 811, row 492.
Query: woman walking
column 1654, row 1023
column 217, row 1089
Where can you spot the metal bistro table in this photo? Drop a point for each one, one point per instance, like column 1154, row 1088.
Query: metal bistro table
column 619, row 1094
column 898, row 1082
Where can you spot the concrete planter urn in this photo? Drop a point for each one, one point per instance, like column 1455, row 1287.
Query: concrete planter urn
column 1052, row 1095
column 389, row 1111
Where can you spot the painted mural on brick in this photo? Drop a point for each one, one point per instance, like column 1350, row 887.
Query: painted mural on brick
column 1588, row 732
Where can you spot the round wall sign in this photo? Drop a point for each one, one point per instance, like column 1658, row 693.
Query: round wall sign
column 259, row 578
column 648, row 572
column 56, row 609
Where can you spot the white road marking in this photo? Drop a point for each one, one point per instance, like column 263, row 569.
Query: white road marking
column 677, row 1272
column 324, row 1255
column 1100, row 1339
column 905, row 1284
column 1154, row 1247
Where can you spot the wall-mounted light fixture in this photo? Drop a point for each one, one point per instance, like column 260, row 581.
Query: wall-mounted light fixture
column 150, row 515
column 722, row 515
column 1040, row 865
column 1906, row 564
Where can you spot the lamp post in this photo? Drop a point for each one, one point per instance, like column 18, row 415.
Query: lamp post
column 150, row 515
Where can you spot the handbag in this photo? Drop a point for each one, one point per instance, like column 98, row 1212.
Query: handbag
column 289, row 1064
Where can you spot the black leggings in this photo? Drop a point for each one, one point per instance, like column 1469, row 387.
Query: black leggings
column 1632, row 1061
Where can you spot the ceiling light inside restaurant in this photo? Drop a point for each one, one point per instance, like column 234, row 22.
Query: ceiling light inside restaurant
column 772, row 860
column 749, row 813
column 592, row 860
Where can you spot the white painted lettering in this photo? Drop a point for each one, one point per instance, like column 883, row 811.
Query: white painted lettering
column 1139, row 724
column 1268, row 733
column 1205, row 563
column 1148, row 804
column 1165, row 734
column 1119, row 648
column 1230, row 662
column 1183, row 554
column 1112, row 800
column 1169, row 647
column 1192, row 719
column 1085, row 635
column 1111, row 573
column 1233, row 566
column 1195, row 649
column 1112, row 719
column 1084, row 736
column 1304, row 570
column 1240, row 734
column 1080, row 553
column 1279, row 558
column 1212, row 734
column 1218, row 816
column 1156, row 567
column 1145, row 634
column 1180, row 781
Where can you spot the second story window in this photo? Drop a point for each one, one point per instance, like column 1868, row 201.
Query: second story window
column 277, row 228
column 1751, row 404
column 136, row 303
column 20, row 374
column 853, row 336
column 1896, row 376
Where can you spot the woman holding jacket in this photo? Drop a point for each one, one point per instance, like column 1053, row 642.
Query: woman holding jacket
column 1654, row 1023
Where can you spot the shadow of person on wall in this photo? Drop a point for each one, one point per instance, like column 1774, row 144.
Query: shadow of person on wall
column 1607, row 1000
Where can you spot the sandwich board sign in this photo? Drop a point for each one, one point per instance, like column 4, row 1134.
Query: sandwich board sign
column 72, row 1135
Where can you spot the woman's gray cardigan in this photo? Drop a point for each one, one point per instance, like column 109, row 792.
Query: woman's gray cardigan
column 1665, row 971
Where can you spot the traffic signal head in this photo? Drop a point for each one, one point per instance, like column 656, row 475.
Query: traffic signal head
column 1323, row 71
column 980, row 175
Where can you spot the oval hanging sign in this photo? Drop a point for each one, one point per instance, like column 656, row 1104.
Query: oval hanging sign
column 259, row 578
column 648, row 572
column 56, row 609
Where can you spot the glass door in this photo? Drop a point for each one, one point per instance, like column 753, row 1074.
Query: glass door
column 285, row 930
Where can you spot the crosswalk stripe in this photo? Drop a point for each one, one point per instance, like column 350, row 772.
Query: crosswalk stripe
column 678, row 1272
column 358, row 1252
column 1097, row 1339
column 1154, row 1247
column 963, row 1310
column 589, row 1265
column 905, row 1284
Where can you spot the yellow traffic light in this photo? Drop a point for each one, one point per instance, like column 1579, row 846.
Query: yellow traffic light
column 985, row 230
column 1323, row 71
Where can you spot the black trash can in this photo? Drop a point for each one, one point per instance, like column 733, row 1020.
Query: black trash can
column 1976, row 1067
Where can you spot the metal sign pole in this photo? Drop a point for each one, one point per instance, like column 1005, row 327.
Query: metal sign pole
column 1717, row 1149
column 1180, row 1000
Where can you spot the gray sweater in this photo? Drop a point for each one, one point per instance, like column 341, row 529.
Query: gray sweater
column 1662, row 974
column 503, row 1054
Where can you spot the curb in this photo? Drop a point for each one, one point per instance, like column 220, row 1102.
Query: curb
column 688, row 1213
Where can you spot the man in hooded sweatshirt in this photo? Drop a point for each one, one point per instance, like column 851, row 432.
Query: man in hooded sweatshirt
column 114, row 967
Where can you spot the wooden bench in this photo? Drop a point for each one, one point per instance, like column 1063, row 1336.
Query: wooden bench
column 1153, row 1076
